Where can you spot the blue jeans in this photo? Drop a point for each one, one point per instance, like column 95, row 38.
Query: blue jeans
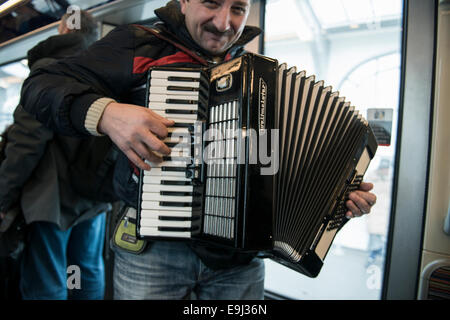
column 44, row 265
column 171, row 270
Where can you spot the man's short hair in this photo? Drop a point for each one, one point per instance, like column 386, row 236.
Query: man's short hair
column 87, row 24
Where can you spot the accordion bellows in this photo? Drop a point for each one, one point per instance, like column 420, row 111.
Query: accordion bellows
column 263, row 159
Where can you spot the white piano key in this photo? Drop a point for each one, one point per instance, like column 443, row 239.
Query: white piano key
column 172, row 106
column 178, row 158
column 158, row 105
column 165, row 223
column 175, row 163
column 155, row 82
column 184, row 95
column 174, row 131
column 177, row 119
column 180, row 151
column 147, row 187
column 181, row 139
column 152, row 196
column 159, row 172
column 176, row 93
column 165, row 213
column 182, row 117
column 157, row 179
column 155, row 205
column 164, row 74
column 154, row 232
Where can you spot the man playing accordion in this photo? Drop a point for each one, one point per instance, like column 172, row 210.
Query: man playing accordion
column 100, row 92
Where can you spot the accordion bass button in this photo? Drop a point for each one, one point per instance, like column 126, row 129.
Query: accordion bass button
column 209, row 171
column 212, row 186
column 218, row 188
column 208, row 187
column 225, row 112
column 221, row 108
column 216, row 113
column 231, row 129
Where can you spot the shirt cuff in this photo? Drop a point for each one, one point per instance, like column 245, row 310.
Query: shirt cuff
column 94, row 114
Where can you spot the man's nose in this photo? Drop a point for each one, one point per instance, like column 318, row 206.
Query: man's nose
column 222, row 20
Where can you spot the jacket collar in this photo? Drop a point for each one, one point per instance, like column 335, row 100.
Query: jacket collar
column 173, row 20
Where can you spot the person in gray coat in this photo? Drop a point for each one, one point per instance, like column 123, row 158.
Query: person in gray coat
column 66, row 231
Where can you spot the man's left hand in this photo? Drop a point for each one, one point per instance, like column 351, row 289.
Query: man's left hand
column 360, row 201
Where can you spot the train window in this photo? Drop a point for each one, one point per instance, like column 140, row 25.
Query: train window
column 35, row 14
column 11, row 77
column 355, row 46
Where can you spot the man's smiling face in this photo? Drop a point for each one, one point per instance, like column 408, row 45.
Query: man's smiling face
column 215, row 24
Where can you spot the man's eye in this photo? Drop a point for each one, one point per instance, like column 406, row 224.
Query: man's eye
column 239, row 10
column 210, row 3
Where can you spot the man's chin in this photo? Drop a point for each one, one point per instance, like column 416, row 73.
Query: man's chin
column 215, row 49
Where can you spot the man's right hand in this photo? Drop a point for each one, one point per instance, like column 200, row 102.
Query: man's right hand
column 137, row 131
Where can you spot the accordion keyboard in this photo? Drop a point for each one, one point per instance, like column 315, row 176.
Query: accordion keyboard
column 168, row 199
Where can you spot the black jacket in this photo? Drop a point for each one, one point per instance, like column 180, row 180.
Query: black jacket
column 116, row 67
column 35, row 171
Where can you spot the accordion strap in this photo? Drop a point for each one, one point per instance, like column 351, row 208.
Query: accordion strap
column 158, row 33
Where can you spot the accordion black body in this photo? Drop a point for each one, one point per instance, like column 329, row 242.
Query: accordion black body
column 263, row 158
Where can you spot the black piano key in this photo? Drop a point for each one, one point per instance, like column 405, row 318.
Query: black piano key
column 171, row 218
column 179, row 229
column 189, row 126
column 176, row 183
column 180, row 111
column 173, row 169
column 179, row 88
column 183, row 79
column 168, row 218
column 175, row 204
column 181, row 101
column 175, row 193
column 177, row 144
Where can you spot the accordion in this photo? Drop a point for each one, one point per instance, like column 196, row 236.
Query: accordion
column 263, row 159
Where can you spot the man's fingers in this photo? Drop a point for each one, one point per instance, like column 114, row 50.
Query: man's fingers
column 147, row 154
column 154, row 144
column 357, row 204
column 366, row 186
column 136, row 159
column 159, row 127
column 353, row 210
column 368, row 197
column 165, row 121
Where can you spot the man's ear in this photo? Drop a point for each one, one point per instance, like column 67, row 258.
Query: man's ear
column 62, row 28
column 183, row 6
